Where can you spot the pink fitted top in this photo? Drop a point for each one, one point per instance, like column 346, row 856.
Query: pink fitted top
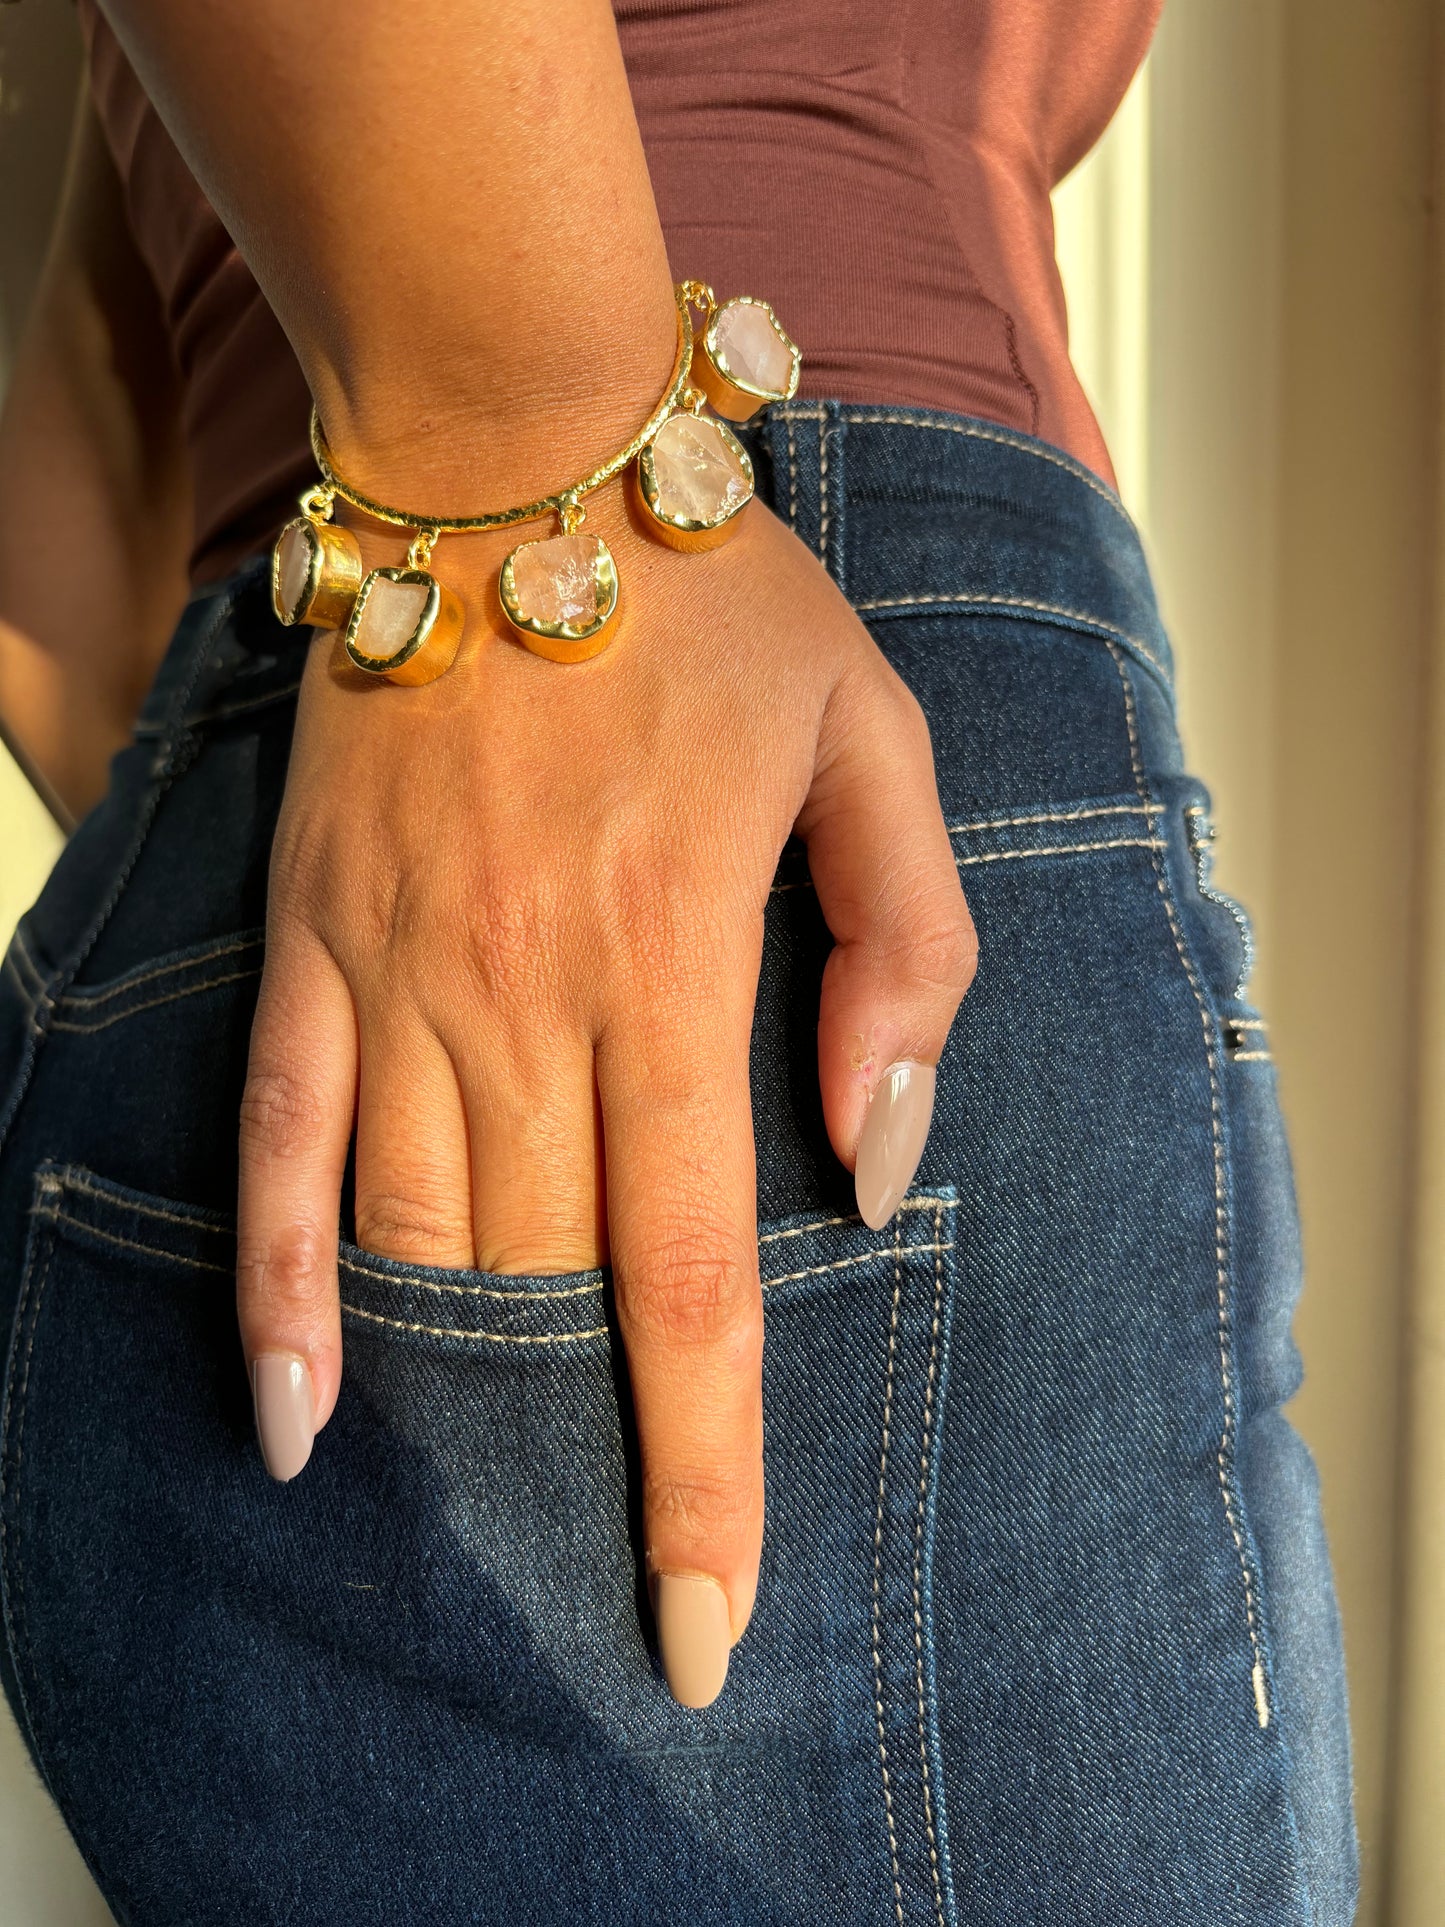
column 879, row 169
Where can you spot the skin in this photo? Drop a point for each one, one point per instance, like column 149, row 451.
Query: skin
column 92, row 465
column 516, row 915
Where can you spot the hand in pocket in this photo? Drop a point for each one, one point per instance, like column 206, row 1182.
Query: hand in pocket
column 514, row 934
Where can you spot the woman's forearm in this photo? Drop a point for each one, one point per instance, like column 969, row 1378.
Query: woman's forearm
column 94, row 495
column 449, row 210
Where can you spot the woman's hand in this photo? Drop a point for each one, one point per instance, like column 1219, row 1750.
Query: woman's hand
column 516, row 917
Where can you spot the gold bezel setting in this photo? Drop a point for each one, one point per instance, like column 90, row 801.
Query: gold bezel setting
column 333, row 574
column 732, row 394
column 431, row 647
column 564, row 641
column 687, row 532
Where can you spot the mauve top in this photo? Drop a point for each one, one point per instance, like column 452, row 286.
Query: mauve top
column 880, row 170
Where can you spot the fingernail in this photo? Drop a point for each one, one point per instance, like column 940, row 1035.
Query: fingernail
column 692, row 1636
column 894, row 1134
column 285, row 1412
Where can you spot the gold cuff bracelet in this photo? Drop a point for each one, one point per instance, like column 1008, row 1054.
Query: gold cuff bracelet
column 692, row 479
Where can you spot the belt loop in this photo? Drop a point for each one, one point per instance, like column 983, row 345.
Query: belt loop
column 795, row 438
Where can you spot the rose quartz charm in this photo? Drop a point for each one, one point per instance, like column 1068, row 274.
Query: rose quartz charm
column 560, row 595
column 695, row 478
column 746, row 359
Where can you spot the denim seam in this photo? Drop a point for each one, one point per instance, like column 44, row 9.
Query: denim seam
column 1149, row 810
column 464, row 1291
column 1019, row 855
column 863, row 1258
column 965, row 600
column 792, row 476
column 584, row 1291
column 184, row 1259
column 155, row 1003
column 852, row 1217
column 878, row 1573
column 1061, row 849
column 599, row 1331
column 32, row 1021
column 476, row 1337
column 80, row 995
column 22, row 952
column 918, row 1560
column 972, row 433
column 1225, row 1456
column 1251, row 1057
column 68, row 1180
column 823, row 490
column 1200, row 832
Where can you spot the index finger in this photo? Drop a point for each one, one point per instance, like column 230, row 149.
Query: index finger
column 681, row 1206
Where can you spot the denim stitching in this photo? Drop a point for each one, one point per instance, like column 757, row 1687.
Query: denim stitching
column 476, row 1337
column 971, row 433
column 852, row 1217
column 1020, row 855
column 967, row 601
column 1062, row 849
column 878, row 1573
column 818, row 1224
column 1058, row 816
column 566, row 1338
column 822, row 489
column 918, row 1559
column 1251, row 1057
column 1224, row 1457
column 792, row 476
column 584, row 1291
column 1201, row 841
column 56, row 1216
column 67, row 1180
column 79, row 995
column 155, row 1003
column 22, row 951
column 467, row 1291
column 26, row 993
column 843, row 1264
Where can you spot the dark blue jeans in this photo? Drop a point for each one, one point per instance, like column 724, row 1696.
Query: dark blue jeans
column 1045, row 1631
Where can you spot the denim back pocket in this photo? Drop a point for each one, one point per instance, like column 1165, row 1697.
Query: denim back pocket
column 429, row 1656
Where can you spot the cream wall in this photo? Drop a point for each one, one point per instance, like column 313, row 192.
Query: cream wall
column 1250, row 261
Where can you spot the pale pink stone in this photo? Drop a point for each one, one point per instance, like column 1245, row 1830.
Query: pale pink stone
column 388, row 617
column 556, row 581
column 753, row 348
column 699, row 477
column 296, row 547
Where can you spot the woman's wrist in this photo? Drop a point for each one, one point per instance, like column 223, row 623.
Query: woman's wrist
column 549, row 388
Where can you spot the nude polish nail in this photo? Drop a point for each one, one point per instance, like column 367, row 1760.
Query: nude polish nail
column 693, row 1636
column 285, row 1412
column 894, row 1134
